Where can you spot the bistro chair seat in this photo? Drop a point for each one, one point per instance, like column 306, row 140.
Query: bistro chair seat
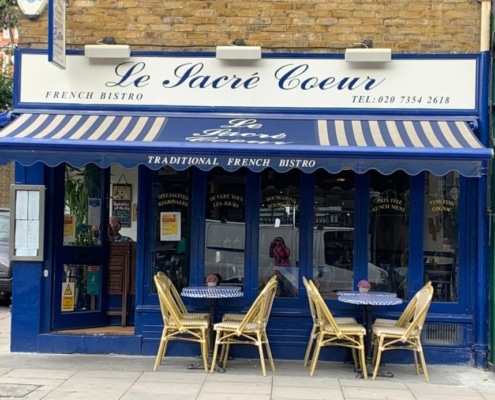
column 314, row 329
column 178, row 299
column 406, row 337
column 250, row 330
column 175, row 327
column 330, row 333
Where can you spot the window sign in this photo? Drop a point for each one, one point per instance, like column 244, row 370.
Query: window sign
column 27, row 222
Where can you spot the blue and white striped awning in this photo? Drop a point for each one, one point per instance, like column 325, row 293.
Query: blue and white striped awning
column 235, row 141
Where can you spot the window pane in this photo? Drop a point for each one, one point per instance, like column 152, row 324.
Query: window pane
column 171, row 223
column 441, row 232
column 83, row 205
column 225, row 226
column 389, row 232
column 333, row 238
column 279, row 232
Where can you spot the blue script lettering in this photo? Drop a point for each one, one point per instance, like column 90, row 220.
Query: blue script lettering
column 294, row 77
column 127, row 72
column 189, row 74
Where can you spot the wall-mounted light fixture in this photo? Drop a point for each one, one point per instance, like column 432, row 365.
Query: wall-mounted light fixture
column 238, row 51
column 107, row 48
column 368, row 55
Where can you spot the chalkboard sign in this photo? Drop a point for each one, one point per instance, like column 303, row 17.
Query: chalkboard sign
column 122, row 210
column 122, row 203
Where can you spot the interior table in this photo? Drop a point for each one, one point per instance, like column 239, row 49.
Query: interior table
column 212, row 293
column 369, row 300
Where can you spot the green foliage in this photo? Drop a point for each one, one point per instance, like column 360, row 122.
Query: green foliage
column 80, row 185
column 9, row 12
column 5, row 91
column 8, row 19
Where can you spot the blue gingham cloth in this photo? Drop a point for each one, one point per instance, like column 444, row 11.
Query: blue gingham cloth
column 212, row 292
column 369, row 299
column 357, row 293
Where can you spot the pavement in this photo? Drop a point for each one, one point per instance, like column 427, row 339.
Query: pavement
column 108, row 377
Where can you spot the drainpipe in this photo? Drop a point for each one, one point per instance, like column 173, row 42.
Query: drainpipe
column 485, row 45
column 481, row 339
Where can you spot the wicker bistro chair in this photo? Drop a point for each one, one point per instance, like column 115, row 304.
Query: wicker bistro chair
column 406, row 316
column 331, row 333
column 178, row 299
column 239, row 316
column 407, row 337
column 251, row 330
column 316, row 325
column 176, row 327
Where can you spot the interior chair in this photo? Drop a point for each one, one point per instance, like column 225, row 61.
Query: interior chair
column 406, row 316
column 331, row 333
column 316, row 325
column 178, row 299
column 406, row 337
column 251, row 330
column 175, row 327
column 240, row 316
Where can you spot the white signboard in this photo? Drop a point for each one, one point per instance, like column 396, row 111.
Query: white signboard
column 297, row 83
column 56, row 33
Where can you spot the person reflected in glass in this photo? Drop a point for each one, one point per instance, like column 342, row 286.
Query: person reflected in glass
column 287, row 283
column 114, row 235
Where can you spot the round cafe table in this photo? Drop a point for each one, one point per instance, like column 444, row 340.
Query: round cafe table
column 369, row 300
column 212, row 293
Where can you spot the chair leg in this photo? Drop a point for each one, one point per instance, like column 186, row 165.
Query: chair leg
column 262, row 356
column 204, row 350
column 215, row 351
column 310, row 346
column 362, row 357
column 269, row 352
column 316, row 355
column 161, row 351
column 423, row 363
column 378, row 357
column 226, row 350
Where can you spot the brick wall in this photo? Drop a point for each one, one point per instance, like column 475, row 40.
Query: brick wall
column 6, row 178
column 406, row 26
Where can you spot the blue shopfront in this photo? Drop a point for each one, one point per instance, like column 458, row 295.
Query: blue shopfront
column 366, row 171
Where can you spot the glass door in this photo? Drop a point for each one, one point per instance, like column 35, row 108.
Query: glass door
column 81, row 251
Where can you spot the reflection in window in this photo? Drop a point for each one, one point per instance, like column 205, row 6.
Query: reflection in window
column 170, row 224
column 441, row 232
column 279, row 232
column 333, row 236
column 225, row 225
column 82, row 214
column 389, row 232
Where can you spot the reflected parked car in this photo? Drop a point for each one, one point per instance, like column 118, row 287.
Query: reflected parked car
column 5, row 266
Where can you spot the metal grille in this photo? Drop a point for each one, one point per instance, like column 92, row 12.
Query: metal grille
column 443, row 334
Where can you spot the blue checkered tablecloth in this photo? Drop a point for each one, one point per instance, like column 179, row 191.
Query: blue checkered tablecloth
column 212, row 292
column 369, row 299
column 356, row 293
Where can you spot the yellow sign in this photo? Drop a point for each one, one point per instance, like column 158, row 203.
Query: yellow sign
column 67, row 296
column 170, row 224
column 69, row 228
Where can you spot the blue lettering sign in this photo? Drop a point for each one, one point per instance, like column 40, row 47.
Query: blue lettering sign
column 128, row 71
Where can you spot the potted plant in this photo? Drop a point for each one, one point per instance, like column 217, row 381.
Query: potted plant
column 364, row 286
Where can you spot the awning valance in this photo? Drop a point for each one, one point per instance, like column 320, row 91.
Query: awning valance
column 234, row 141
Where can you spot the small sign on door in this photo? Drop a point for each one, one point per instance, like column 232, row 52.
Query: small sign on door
column 68, row 293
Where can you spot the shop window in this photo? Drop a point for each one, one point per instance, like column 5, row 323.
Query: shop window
column 279, row 231
column 170, row 224
column 83, row 205
column 225, row 226
column 333, row 235
column 441, row 232
column 389, row 232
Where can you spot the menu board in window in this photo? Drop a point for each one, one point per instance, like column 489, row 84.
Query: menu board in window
column 122, row 203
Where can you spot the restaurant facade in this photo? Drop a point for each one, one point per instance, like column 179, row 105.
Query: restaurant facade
column 374, row 171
